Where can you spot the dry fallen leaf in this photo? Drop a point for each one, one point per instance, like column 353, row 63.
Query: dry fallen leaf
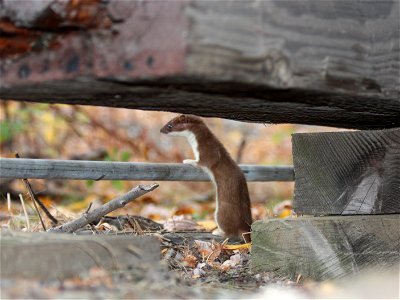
column 203, row 247
column 283, row 209
column 236, row 258
column 155, row 213
column 209, row 251
column 216, row 251
column 179, row 223
column 208, row 225
column 190, row 260
column 184, row 210
column 106, row 226
column 197, row 273
column 228, row 264
column 259, row 211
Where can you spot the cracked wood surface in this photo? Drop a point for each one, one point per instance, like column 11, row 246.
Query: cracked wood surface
column 326, row 247
column 58, row 256
column 355, row 172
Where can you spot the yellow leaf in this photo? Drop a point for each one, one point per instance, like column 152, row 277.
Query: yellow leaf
column 285, row 213
column 246, row 246
column 208, row 225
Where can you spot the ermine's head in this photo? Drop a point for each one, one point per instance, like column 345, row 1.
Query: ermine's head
column 179, row 126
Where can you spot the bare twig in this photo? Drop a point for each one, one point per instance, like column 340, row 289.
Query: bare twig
column 89, row 207
column 240, row 150
column 128, row 141
column 299, row 278
column 24, row 209
column 10, row 215
column 9, row 204
column 36, row 201
column 110, row 206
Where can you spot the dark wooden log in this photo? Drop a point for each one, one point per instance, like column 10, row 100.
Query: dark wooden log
column 356, row 172
column 335, row 63
column 54, row 256
column 325, row 247
column 106, row 170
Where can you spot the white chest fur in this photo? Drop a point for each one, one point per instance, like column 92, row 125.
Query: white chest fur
column 191, row 138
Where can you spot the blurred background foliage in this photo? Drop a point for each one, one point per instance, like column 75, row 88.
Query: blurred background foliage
column 99, row 133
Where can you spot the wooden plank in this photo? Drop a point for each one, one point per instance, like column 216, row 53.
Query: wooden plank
column 355, row 172
column 262, row 62
column 325, row 247
column 216, row 98
column 329, row 44
column 105, row 170
column 57, row 256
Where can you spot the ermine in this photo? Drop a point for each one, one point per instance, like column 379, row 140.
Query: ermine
column 232, row 214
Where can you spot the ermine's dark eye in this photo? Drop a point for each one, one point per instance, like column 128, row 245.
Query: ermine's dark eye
column 169, row 126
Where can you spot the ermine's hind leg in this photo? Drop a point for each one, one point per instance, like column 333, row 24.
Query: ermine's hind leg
column 218, row 232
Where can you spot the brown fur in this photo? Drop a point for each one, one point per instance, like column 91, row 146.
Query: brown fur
column 234, row 214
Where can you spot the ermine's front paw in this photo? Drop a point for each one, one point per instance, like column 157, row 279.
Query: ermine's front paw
column 190, row 162
column 218, row 232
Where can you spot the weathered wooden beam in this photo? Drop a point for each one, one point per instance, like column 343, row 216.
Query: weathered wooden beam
column 325, row 247
column 356, row 172
column 215, row 98
column 261, row 62
column 55, row 256
column 105, row 170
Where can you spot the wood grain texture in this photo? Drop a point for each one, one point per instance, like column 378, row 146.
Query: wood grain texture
column 334, row 45
column 102, row 170
column 56, row 256
column 325, row 247
column 356, row 172
column 335, row 63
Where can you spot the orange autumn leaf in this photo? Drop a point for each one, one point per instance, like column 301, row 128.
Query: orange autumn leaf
column 147, row 199
column 216, row 251
column 203, row 247
column 184, row 210
column 190, row 261
column 47, row 201
column 209, row 251
column 154, row 217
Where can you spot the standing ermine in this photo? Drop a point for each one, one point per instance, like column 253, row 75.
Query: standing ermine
column 232, row 215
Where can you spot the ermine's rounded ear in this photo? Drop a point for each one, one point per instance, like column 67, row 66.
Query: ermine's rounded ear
column 183, row 118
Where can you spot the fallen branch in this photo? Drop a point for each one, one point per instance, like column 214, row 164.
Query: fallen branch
column 96, row 214
column 25, row 213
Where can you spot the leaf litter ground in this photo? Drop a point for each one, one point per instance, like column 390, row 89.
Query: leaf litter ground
column 194, row 264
